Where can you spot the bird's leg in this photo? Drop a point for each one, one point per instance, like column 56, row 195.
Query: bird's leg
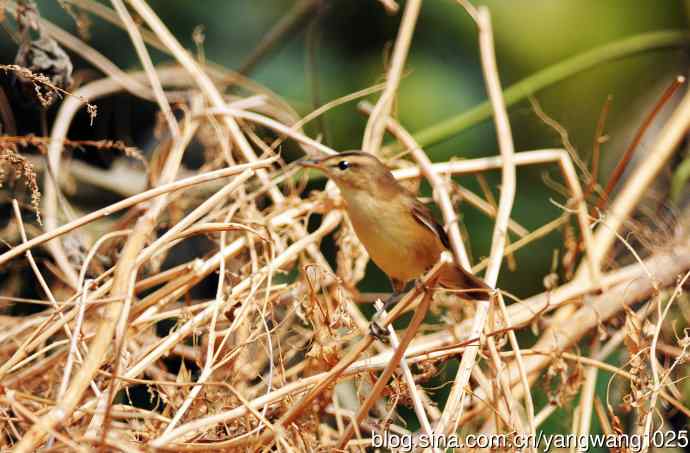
column 399, row 290
column 378, row 332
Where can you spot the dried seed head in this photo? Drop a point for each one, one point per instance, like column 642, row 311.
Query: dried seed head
column 49, row 70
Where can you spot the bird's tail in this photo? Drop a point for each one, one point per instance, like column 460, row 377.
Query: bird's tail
column 456, row 278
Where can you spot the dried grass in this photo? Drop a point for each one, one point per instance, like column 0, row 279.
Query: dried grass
column 257, row 365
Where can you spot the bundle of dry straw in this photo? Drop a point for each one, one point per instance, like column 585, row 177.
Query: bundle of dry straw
column 281, row 356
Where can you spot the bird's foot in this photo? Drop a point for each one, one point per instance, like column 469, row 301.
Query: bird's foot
column 420, row 286
column 378, row 332
column 391, row 301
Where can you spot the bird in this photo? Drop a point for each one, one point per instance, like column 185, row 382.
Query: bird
column 399, row 232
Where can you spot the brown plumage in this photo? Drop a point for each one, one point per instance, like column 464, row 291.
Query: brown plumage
column 399, row 232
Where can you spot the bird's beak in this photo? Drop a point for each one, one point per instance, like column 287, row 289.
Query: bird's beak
column 310, row 163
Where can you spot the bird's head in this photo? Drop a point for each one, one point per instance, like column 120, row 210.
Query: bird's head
column 354, row 170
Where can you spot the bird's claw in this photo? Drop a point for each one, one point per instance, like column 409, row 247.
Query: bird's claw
column 378, row 332
column 420, row 286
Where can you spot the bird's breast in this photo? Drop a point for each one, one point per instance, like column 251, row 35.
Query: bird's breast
column 395, row 241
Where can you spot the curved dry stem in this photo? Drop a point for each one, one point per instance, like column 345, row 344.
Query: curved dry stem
column 640, row 179
column 658, row 383
column 58, row 135
column 131, row 201
column 102, row 339
column 376, row 126
column 455, row 404
column 382, row 380
column 145, row 59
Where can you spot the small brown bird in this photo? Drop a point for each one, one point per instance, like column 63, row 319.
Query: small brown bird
column 399, row 232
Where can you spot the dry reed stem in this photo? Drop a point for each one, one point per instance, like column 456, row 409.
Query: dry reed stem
column 106, row 327
column 490, row 210
column 34, row 267
column 461, row 167
column 58, row 135
column 73, row 349
column 146, row 62
column 415, row 393
column 491, row 401
column 603, row 418
column 501, row 395
column 26, row 413
column 390, row 6
column 507, row 196
column 658, row 383
column 387, row 372
column 46, row 328
column 131, row 201
column 271, row 124
column 527, row 391
column 641, row 177
column 328, row 106
column 587, row 400
column 452, row 412
column 376, row 126
column 522, row 242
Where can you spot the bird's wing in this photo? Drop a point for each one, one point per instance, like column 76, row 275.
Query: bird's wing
column 423, row 215
column 454, row 276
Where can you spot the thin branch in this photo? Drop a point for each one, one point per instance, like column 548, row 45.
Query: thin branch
column 131, row 201
column 145, row 59
column 382, row 380
column 642, row 176
column 455, row 404
column 627, row 155
column 376, row 126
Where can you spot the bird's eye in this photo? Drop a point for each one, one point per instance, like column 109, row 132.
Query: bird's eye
column 343, row 165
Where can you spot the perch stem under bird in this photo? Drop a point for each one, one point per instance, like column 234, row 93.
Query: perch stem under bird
column 398, row 231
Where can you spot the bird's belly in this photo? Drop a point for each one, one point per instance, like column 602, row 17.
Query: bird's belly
column 399, row 262
column 401, row 247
